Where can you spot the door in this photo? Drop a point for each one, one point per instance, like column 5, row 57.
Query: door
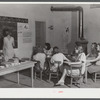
column 40, row 30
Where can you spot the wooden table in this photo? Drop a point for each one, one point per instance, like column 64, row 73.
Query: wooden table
column 17, row 68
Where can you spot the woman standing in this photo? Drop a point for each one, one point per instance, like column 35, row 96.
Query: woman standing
column 8, row 44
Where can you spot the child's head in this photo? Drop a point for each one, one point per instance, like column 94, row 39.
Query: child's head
column 98, row 47
column 76, row 49
column 94, row 45
column 80, row 49
column 55, row 50
column 7, row 32
column 47, row 46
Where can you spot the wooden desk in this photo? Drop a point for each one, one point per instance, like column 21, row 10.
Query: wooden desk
column 17, row 68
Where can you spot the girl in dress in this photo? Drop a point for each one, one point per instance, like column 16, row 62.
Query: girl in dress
column 81, row 59
column 94, row 64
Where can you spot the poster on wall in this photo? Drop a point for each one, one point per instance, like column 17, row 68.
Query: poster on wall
column 22, row 27
column 24, row 32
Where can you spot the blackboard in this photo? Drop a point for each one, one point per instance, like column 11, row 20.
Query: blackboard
column 10, row 23
column 12, row 26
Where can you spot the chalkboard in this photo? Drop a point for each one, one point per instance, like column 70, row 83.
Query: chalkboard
column 12, row 26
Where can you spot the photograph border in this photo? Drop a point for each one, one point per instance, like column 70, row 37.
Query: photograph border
column 55, row 94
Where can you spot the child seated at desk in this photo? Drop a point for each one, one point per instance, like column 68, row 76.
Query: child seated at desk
column 57, row 56
column 94, row 64
column 40, row 57
column 48, row 50
column 81, row 59
column 93, row 53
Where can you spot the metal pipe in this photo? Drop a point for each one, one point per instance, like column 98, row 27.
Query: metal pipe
column 80, row 10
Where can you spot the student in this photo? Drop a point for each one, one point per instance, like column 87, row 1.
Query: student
column 34, row 52
column 75, row 53
column 40, row 56
column 57, row 56
column 8, row 44
column 81, row 59
column 93, row 52
column 94, row 64
column 48, row 50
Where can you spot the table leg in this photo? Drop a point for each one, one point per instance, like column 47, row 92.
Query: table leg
column 95, row 74
column 32, row 76
column 86, row 75
column 18, row 77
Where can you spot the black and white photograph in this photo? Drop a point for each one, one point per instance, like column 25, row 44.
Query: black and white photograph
column 49, row 45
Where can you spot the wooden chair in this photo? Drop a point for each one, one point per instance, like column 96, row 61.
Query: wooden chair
column 56, row 73
column 38, row 70
column 96, row 75
column 94, row 70
column 76, row 79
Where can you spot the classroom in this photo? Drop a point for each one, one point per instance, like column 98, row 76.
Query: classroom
column 49, row 45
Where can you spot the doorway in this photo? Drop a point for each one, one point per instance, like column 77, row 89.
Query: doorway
column 40, row 30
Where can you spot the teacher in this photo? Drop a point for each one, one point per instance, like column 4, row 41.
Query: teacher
column 8, row 44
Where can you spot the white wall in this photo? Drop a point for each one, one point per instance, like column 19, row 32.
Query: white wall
column 20, row 11
column 60, row 20
column 32, row 13
column 91, row 24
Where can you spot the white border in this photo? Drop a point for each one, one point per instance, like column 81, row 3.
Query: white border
column 49, row 2
column 49, row 92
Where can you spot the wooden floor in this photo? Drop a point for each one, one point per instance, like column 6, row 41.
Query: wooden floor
column 10, row 81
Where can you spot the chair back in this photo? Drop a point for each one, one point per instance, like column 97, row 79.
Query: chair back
column 76, row 67
column 55, row 64
column 37, row 66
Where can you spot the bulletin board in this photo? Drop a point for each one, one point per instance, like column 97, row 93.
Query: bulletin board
column 11, row 24
column 24, row 32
